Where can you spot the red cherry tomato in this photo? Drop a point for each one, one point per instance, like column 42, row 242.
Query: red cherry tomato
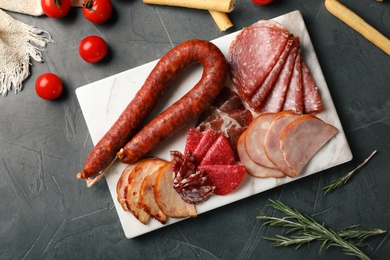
column 93, row 49
column 55, row 8
column 262, row 2
column 48, row 86
column 97, row 11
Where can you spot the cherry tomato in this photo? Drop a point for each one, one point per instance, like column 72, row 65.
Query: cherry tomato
column 48, row 86
column 97, row 11
column 55, row 8
column 93, row 49
column 262, row 2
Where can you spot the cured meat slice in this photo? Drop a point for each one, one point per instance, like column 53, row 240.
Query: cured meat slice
column 187, row 168
column 219, row 153
column 136, row 177
column 208, row 139
column 256, row 100
column 274, row 101
column 272, row 140
column 169, row 201
column 254, row 141
column 311, row 133
column 147, row 200
column 121, row 186
column 177, row 159
column 193, row 138
column 311, row 96
column 294, row 95
column 253, row 53
column 253, row 168
column 197, row 195
column 225, row 178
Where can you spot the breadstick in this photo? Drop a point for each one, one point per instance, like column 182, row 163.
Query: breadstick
column 225, row 6
column 358, row 24
column 221, row 19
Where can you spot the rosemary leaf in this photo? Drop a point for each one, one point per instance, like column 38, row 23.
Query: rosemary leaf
column 306, row 229
column 343, row 180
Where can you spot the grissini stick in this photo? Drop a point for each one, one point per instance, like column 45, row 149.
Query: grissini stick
column 221, row 19
column 357, row 23
column 225, row 6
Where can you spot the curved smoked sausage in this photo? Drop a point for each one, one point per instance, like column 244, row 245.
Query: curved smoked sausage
column 173, row 118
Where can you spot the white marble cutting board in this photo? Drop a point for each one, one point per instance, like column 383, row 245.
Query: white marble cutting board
column 102, row 101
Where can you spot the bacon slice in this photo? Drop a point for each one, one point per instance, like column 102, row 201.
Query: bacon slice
column 311, row 133
column 253, row 54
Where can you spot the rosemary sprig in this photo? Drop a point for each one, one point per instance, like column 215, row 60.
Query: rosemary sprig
column 343, row 180
column 306, row 229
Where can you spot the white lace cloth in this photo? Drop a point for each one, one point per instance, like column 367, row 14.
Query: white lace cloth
column 19, row 42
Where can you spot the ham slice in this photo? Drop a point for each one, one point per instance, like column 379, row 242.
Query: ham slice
column 253, row 54
column 311, row 133
column 254, row 169
column 272, row 140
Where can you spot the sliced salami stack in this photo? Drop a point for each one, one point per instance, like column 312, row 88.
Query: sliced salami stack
column 269, row 72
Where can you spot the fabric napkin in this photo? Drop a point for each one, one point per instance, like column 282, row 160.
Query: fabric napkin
column 31, row 7
column 18, row 42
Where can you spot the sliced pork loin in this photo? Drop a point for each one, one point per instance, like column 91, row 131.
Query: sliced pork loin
column 302, row 138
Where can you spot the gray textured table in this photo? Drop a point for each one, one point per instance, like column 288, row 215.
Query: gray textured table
column 46, row 213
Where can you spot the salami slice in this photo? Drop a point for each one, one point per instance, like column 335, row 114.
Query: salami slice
column 219, row 153
column 274, row 101
column 193, row 138
column 253, row 54
column 256, row 100
column 225, row 178
column 294, row 95
column 208, row 139
column 311, row 96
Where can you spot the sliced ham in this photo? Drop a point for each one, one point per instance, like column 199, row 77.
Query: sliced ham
column 261, row 92
column 272, row 140
column 274, row 101
column 254, row 169
column 254, row 141
column 253, row 54
column 311, row 134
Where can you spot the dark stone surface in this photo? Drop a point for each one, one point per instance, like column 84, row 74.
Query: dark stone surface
column 46, row 213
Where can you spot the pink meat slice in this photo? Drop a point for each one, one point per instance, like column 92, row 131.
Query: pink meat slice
column 311, row 133
column 253, row 168
column 294, row 95
column 257, row 99
column 254, row 141
column 207, row 140
column 311, row 96
column 220, row 153
column 272, row 140
column 274, row 101
column 253, row 53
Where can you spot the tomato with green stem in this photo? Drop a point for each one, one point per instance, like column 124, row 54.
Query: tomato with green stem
column 48, row 86
column 97, row 11
column 55, row 8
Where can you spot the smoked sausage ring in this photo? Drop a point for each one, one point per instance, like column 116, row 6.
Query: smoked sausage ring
column 170, row 121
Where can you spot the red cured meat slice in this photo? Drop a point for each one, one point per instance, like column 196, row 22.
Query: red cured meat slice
column 193, row 138
column 272, row 140
column 256, row 100
column 177, row 159
column 219, row 153
column 311, row 133
column 208, row 139
column 294, row 95
column 311, row 96
column 196, row 195
column 274, row 101
column 225, row 178
column 253, row 53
